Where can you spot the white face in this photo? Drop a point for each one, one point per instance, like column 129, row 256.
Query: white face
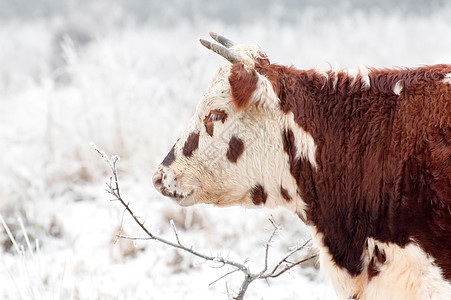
column 227, row 155
column 232, row 152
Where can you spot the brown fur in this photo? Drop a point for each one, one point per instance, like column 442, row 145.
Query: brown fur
column 191, row 144
column 376, row 261
column 258, row 195
column 209, row 124
column 170, row 157
column 384, row 161
column 285, row 194
column 236, row 148
column 243, row 83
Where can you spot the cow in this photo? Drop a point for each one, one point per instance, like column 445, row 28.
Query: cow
column 362, row 157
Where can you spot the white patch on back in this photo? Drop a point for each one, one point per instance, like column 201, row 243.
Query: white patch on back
column 407, row 273
column 334, row 69
column 447, row 78
column 397, row 89
column 360, row 73
column 365, row 79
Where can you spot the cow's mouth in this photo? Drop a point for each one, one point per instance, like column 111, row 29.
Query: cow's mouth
column 179, row 196
column 171, row 188
column 186, row 200
column 183, row 199
column 175, row 195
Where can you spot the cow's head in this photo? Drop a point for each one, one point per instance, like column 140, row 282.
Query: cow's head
column 234, row 150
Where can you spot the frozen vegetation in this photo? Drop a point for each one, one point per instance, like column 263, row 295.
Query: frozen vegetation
column 128, row 77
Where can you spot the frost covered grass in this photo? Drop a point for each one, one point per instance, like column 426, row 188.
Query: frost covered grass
column 131, row 87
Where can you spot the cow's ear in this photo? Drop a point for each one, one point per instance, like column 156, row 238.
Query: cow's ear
column 243, row 82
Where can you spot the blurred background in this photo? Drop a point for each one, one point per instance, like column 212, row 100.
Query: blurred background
column 127, row 75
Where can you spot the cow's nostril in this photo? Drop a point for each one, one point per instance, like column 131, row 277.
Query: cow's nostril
column 157, row 180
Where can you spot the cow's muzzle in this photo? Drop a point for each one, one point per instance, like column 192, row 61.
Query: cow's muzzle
column 167, row 183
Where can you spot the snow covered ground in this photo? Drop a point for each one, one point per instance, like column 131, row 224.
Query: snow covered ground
column 128, row 79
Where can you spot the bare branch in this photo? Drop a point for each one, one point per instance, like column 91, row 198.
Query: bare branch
column 284, row 260
column 274, row 275
column 114, row 190
column 247, row 280
column 273, row 233
column 175, row 231
column 126, row 237
column 223, row 276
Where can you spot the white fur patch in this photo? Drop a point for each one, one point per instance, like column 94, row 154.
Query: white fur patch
column 447, row 78
column 275, row 172
column 397, row 89
column 249, row 53
column 334, row 70
column 360, row 73
column 305, row 144
column 407, row 273
column 264, row 96
column 365, row 79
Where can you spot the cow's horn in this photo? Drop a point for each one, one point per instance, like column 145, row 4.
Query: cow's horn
column 222, row 40
column 223, row 51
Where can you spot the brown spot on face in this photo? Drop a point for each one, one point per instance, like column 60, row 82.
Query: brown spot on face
column 170, row 157
column 213, row 116
column 285, row 194
column 209, row 127
column 258, row 195
column 191, row 144
column 243, row 83
column 236, row 148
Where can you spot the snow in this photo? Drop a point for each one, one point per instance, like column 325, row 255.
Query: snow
column 128, row 82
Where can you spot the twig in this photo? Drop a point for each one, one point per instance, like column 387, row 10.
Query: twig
column 175, row 231
column 288, row 267
column 249, row 277
column 223, row 276
column 284, row 260
column 273, row 233
column 120, row 236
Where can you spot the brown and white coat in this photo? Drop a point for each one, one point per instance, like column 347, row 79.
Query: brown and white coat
column 363, row 158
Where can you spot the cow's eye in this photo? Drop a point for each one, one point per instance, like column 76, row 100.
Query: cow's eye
column 216, row 115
